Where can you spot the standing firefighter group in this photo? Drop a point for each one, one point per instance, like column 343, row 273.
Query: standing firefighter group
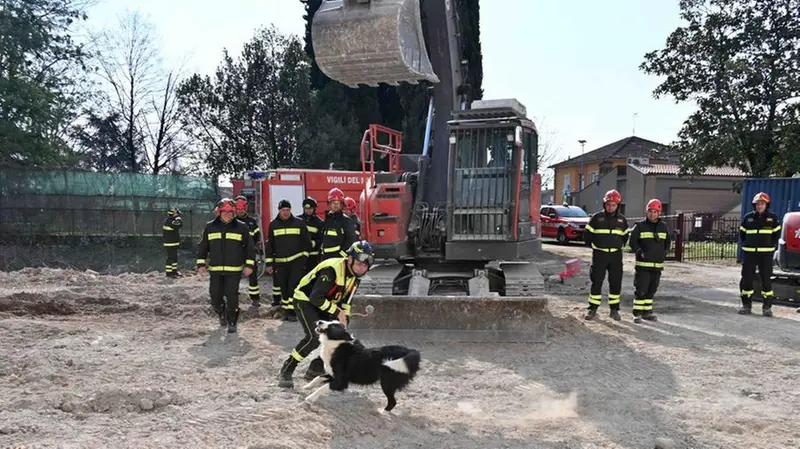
column 607, row 233
column 292, row 249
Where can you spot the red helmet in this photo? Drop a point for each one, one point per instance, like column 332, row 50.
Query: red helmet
column 335, row 194
column 761, row 196
column 612, row 196
column 226, row 205
column 349, row 204
column 654, row 204
column 241, row 203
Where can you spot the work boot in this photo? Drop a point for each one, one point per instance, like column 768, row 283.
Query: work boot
column 223, row 320
column 766, row 306
column 614, row 314
column 590, row 313
column 747, row 306
column 178, row 274
column 255, row 302
column 285, row 375
column 232, row 319
column 649, row 316
column 315, row 369
column 289, row 315
column 171, row 274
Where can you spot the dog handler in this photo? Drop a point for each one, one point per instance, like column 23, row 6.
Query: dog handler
column 606, row 233
column 650, row 241
column 324, row 294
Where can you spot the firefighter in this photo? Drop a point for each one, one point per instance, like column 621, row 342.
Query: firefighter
column 350, row 211
column 337, row 231
column 253, row 289
column 314, row 225
column 286, row 254
column 606, row 233
column 172, row 240
column 226, row 250
column 324, row 293
column 650, row 241
column 759, row 233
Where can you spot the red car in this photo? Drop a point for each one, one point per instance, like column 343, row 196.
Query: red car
column 563, row 223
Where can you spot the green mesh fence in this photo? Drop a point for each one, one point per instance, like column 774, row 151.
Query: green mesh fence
column 59, row 203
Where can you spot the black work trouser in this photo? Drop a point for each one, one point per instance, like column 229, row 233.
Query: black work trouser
column 171, row 266
column 762, row 261
column 311, row 262
column 307, row 315
column 288, row 275
column 645, row 283
column 224, row 290
column 603, row 262
column 253, row 289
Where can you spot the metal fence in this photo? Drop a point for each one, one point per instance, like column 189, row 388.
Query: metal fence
column 700, row 236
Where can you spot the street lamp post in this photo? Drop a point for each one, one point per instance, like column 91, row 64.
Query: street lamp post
column 581, row 177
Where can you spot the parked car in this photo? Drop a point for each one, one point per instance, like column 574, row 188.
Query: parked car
column 564, row 223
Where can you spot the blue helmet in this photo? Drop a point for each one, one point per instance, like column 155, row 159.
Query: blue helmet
column 362, row 252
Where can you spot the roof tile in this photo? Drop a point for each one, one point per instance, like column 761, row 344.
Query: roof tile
column 673, row 169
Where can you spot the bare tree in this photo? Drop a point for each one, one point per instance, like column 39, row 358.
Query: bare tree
column 141, row 93
column 549, row 148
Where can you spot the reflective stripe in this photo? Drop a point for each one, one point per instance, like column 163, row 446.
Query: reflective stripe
column 286, row 231
column 639, row 304
column 760, row 231
column 254, row 232
column 296, row 355
column 225, row 268
column 651, row 235
column 768, row 293
column 276, row 290
column 249, row 262
column 168, row 228
column 649, row 264
column 172, row 244
column 201, row 262
column 269, row 260
column 346, row 308
column 313, row 253
column 332, row 232
column 332, row 249
column 608, row 250
column 613, row 299
column 761, row 249
column 312, row 229
column 214, row 235
column 291, row 258
column 233, row 236
column 747, row 292
column 595, row 299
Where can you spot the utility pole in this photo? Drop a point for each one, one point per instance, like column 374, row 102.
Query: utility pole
column 635, row 114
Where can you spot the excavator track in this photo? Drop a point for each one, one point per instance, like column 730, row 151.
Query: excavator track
column 523, row 279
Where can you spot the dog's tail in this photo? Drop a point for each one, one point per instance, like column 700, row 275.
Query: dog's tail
column 408, row 364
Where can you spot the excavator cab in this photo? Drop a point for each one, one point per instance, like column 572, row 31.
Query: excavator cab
column 370, row 42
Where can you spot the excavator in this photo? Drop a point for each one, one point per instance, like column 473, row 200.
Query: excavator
column 456, row 228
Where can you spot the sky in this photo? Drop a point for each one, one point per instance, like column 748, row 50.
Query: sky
column 574, row 65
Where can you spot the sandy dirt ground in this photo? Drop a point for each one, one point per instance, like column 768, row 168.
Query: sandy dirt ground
column 134, row 361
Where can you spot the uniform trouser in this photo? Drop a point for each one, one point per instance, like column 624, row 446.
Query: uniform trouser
column 311, row 262
column 253, row 289
column 224, row 289
column 645, row 282
column 603, row 262
column 171, row 265
column 276, row 289
column 762, row 261
column 307, row 315
column 289, row 275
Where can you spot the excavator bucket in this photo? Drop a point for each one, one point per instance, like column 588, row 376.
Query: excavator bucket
column 451, row 319
column 370, row 42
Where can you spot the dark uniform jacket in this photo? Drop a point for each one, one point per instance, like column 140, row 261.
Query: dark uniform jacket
column 288, row 240
column 337, row 234
column 607, row 232
column 226, row 248
column 356, row 226
column 314, row 226
column 650, row 241
column 328, row 286
column 255, row 231
column 760, row 233
column 171, row 228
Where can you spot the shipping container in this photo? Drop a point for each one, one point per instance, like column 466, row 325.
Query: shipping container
column 784, row 194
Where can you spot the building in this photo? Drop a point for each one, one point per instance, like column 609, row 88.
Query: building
column 548, row 196
column 574, row 174
column 713, row 192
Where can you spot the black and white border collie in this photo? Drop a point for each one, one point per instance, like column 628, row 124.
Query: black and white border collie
column 347, row 361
